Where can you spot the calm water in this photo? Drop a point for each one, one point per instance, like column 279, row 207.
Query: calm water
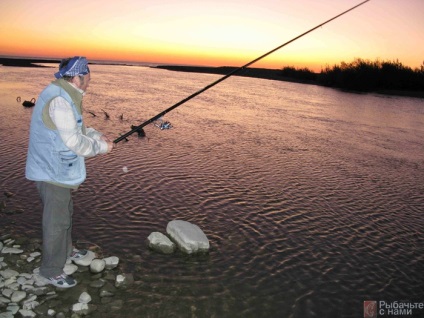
column 312, row 199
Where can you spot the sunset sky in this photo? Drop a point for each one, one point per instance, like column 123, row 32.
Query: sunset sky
column 214, row 32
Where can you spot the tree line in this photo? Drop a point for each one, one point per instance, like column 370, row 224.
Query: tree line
column 363, row 75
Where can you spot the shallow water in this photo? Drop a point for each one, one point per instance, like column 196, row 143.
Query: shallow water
column 312, row 198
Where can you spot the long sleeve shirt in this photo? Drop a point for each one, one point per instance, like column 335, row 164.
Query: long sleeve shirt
column 87, row 145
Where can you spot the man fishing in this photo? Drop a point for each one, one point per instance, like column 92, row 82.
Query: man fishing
column 58, row 143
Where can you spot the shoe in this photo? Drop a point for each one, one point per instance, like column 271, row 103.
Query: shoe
column 62, row 281
column 78, row 254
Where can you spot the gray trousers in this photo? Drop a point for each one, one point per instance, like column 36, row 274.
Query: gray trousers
column 57, row 227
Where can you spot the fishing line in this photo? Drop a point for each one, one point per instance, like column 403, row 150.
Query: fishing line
column 161, row 114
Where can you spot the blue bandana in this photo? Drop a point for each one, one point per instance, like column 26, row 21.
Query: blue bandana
column 78, row 65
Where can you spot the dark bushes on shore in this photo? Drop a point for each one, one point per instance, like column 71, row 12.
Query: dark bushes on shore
column 299, row 74
column 364, row 75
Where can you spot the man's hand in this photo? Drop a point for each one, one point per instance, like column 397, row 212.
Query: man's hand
column 110, row 144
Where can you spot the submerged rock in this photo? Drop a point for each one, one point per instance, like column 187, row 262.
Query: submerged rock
column 189, row 237
column 161, row 243
column 69, row 269
column 97, row 265
column 11, row 250
column 25, row 293
column 84, row 298
column 111, row 262
column 124, row 280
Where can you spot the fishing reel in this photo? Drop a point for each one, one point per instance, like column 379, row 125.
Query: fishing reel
column 161, row 124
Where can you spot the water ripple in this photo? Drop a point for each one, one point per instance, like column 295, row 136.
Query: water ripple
column 309, row 210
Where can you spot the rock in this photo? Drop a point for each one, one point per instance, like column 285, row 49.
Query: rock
column 17, row 296
column 160, row 243
column 97, row 265
column 107, row 290
column 80, row 308
column 11, row 282
column 29, row 305
column 27, row 313
column 24, row 293
column 110, row 276
column 13, row 308
column 4, row 237
column 7, row 314
column 9, row 241
column 39, row 291
column 11, row 250
column 83, row 309
column 99, row 283
column 105, row 293
column 116, row 304
column 8, row 273
column 35, row 254
column 124, row 280
column 7, row 292
column 26, row 275
column 84, row 298
column 189, row 237
column 39, row 280
column 69, row 269
column 111, row 262
column 86, row 261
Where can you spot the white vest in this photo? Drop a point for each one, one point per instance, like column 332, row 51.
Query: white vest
column 48, row 157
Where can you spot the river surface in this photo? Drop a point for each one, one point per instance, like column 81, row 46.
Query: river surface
column 312, row 198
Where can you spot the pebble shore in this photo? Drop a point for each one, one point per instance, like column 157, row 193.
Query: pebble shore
column 100, row 291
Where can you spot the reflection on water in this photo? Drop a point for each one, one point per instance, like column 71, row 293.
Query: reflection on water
column 311, row 197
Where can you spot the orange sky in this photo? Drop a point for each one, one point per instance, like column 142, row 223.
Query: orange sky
column 214, row 32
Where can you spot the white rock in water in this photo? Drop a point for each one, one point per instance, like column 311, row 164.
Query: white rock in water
column 124, row 280
column 13, row 308
column 11, row 250
column 97, row 265
column 161, row 243
column 84, row 298
column 7, row 292
column 27, row 313
column 17, row 296
column 4, row 300
column 39, row 280
column 69, row 269
column 86, row 261
column 111, row 262
column 80, row 308
column 189, row 237
column 35, row 254
column 8, row 273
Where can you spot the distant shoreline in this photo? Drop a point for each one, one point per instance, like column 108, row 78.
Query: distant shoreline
column 271, row 74
column 263, row 73
column 19, row 62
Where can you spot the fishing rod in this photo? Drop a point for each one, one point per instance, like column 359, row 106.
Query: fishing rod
column 154, row 118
